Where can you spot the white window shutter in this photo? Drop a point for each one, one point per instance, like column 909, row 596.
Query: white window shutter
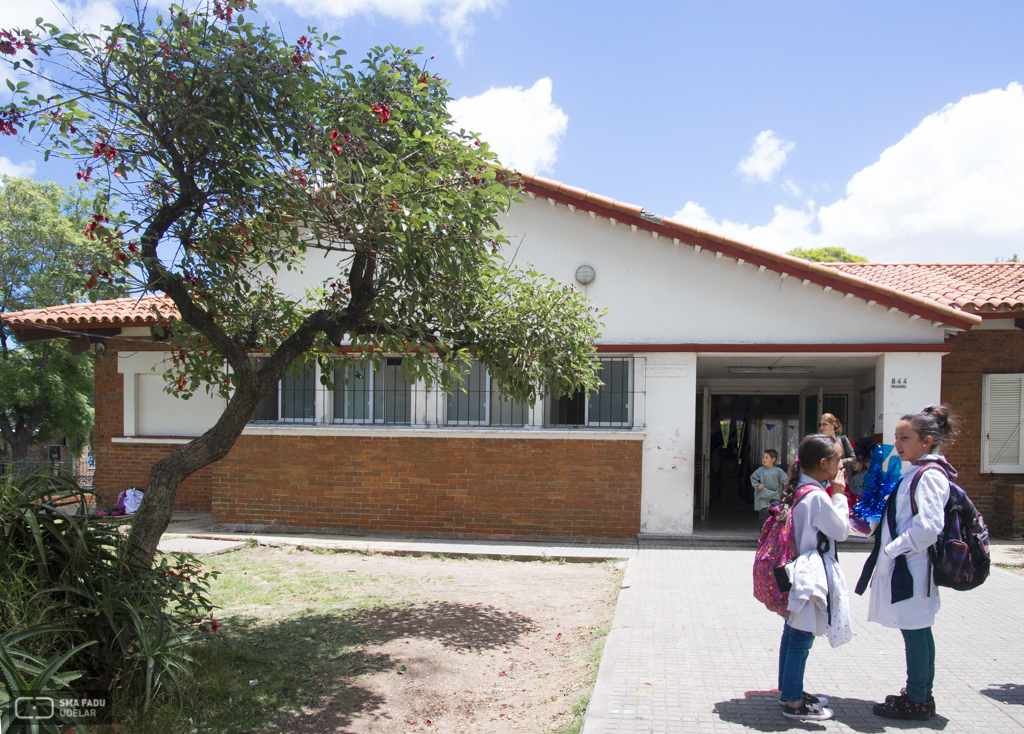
column 1002, row 433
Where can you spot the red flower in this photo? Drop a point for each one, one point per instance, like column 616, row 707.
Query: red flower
column 336, row 149
column 394, row 206
column 121, row 257
column 383, row 113
column 334, row 134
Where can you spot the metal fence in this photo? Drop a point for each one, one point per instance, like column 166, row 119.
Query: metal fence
column 382, row 396
column 82, row 470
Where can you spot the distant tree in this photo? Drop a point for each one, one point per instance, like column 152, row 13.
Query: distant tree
column 827, row 255
column 43, row 388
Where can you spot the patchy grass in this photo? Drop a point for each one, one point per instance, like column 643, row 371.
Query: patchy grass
column 307, row 641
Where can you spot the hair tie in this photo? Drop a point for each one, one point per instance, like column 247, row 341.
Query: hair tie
column 796, row 461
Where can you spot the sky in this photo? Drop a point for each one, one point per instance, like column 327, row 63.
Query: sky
column 892, row 129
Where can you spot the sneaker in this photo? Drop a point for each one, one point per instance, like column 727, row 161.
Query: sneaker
column 807, row 712
column 809, row 698
column 901, row 707
column 930, row 703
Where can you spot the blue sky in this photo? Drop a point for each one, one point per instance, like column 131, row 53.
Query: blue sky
column 893, row 129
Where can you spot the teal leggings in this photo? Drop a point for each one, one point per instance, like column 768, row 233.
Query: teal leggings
column 920, row 663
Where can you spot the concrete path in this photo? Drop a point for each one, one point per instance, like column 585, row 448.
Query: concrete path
column 198, row 546
column 691, row 650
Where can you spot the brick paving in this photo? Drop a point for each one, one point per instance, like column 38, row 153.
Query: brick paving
column 691, row 650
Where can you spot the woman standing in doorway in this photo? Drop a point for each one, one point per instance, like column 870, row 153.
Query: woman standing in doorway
column 830, row 426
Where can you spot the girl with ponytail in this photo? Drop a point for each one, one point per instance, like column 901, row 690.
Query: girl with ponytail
column 903, row 595
column 814, row 514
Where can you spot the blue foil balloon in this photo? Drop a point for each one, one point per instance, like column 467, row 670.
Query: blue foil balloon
column 882, row 478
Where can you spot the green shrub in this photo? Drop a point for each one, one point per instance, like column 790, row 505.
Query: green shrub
column 63, row 573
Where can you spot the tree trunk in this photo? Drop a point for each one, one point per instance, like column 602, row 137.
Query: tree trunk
column 166, row 476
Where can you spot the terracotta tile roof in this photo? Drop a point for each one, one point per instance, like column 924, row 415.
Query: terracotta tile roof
column 852, row 283
column 985, row 288
column 119, row 312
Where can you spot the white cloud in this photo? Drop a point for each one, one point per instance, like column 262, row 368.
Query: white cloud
column 949, row 191
column 452, row 15
column 89, row 14
column 767, row 155
column 10, row 168
column 522, row 125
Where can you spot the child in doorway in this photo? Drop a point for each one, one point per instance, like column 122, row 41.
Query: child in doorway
column 768, row 481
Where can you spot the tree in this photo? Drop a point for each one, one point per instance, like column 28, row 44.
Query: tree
column 43, row 388
column 239, row 154
column 827, row 255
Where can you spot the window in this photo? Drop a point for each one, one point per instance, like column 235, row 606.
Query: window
column 292, row 400
column 366, row 394
column 609, row 406
column 839, row 406
column 1002, row 448
column 479, row 402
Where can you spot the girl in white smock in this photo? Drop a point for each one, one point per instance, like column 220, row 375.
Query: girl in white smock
column 903, row 595
column 814, row 512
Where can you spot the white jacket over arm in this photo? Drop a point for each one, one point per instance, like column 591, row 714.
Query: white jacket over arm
column 831, row 516
column 914, row 535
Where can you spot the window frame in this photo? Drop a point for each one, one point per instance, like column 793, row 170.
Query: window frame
column 487, row 395
column 371, row 391
column 1004, row 381
column 630, row 395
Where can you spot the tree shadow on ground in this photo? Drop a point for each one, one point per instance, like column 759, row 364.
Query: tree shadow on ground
column 1005, row 693
column 310, row 667
column 760, row 711
column 454, row 625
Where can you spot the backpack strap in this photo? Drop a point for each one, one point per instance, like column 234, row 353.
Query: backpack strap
column 925, row 466
column 917, row 480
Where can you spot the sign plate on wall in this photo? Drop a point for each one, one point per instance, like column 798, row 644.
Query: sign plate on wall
column 665, row 370
column 898, row 383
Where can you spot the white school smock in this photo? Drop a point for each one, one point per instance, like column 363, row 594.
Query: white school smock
column 915, row 533
column 817, row 511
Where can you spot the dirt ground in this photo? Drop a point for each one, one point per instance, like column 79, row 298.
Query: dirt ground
column 456, row 645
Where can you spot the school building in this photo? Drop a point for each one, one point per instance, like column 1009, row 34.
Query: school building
column 713, row 351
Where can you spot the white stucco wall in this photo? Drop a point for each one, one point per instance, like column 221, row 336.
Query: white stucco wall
column 660, row 292
column 905, row 382
column 670, row 384
column 149, row 411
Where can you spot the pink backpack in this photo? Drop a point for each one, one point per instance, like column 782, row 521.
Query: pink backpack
column 775, row 548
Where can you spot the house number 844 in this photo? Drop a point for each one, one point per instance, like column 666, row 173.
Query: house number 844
column 899, row 382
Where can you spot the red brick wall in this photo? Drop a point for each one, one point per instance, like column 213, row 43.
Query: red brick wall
column 1000, row 497
column 570, row 488
column 451, row 486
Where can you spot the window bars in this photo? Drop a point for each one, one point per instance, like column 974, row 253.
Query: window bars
column 367, row 396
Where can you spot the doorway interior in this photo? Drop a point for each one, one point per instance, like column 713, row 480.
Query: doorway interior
column 741, row 427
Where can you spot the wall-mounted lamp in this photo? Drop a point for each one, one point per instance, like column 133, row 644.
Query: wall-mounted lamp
column 585, row 275
column 786, row 370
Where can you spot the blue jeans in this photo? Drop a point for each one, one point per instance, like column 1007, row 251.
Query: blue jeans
column 792, row 661
column 920, row 663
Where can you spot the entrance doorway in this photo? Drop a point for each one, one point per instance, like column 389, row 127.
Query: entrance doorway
column 740, row 429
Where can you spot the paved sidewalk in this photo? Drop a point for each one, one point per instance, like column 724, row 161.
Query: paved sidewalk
column 200, row 526
column 691, row 650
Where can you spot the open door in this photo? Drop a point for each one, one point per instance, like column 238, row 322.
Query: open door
column 705, row 456
column 810, row 410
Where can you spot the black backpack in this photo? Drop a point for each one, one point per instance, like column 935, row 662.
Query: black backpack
column 960, row 557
